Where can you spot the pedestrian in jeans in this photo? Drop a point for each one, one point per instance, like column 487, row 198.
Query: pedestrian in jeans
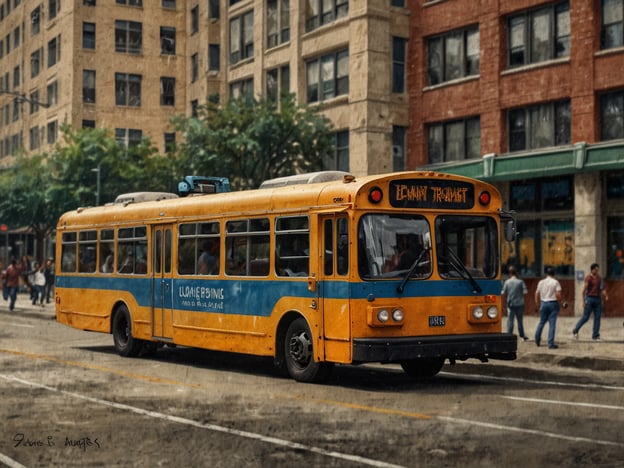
column 38, row 284
column 12, row 276
column 593, row 292
column 547, row 297
column 514, row 290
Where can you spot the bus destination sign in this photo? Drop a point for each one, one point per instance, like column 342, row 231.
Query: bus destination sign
column 431, row 193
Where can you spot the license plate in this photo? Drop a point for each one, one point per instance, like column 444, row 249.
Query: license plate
column 437, row 321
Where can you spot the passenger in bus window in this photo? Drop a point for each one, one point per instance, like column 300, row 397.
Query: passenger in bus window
column 127, row 266
column 209, row 259
column 107, row 266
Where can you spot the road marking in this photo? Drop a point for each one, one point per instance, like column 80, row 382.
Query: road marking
column 561, row 402
column 23, row 325
column 212, row 427
column 522, row 430
column 371, row 409
column 540, row 382
column 131, row 375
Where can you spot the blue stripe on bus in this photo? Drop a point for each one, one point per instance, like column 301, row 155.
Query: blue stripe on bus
column 258, row 297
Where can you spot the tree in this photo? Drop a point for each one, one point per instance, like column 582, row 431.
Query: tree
column 249, row 140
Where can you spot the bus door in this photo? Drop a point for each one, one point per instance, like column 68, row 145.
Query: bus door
column 162, row 287
column 334, row 293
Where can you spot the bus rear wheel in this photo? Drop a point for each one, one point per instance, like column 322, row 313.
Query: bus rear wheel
column 125, row 344
column 299, row 354
column 422, row 368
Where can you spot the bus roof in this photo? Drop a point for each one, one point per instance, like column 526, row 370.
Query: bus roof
column 335, row 195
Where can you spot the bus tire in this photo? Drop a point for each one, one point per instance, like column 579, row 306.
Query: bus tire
column 424, row 368
column 125, row 344
column 299, row 354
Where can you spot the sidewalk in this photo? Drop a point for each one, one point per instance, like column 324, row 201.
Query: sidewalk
column 584, row 353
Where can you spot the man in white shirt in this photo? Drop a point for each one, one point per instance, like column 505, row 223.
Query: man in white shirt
column 547, row 298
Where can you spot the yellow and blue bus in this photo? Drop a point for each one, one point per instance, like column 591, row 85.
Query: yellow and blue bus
column 399, row 268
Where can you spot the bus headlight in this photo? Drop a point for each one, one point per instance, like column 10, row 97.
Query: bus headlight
column 397, row 315
column 492, row 312
column 477, row 312
column 383, row 315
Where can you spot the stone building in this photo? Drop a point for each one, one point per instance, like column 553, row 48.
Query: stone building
column 129, row 65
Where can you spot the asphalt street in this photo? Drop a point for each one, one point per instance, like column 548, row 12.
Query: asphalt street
column 584, row 353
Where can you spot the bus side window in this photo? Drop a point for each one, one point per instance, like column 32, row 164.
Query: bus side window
column 342, row 243
column 292, row 246
column 107, row 247
column 68, row 253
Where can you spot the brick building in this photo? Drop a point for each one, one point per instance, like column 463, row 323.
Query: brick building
column 529, row 95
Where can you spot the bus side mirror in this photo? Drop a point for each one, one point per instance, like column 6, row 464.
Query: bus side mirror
column 510, row 230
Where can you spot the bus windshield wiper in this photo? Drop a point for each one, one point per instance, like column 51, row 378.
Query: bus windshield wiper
column 459, row 265
column 411, row 270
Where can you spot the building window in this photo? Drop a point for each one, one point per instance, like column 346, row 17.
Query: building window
column 88, row 86
column 612, row 26
column 170, row 142
column 53, row 8
column 399, row 50
column 88, row 35
column 128, row 137
column 16, row 109
column 88, row 124
column 167, row 91
column 167, row 40
column 128, row 37
column 35, row 21
column 398, row 148
column 615, row 249
column 194, row 108
column 195, row 19
column 214, row 57
column 169, row 4
column 16, row 37
column 397, row 3
column 539, row 126
column 213, row 9
column 322, row 12
column 453, row 55
column 241, row 38
column 127, row 89
column 194, row 67
column 52, row 89
column 328, row 76
column 454, row 141
column 277, row 83
column 88, row 2
column 339, row 161
column 16, row 77
column 612, row 116
column 278, row 22
column 54, row 51
column 137, row 3
column 542, row 242
column 35, row 62
column 539, row 35
column 34, row 101
column 51, row 131
column 242, row 88
column 34, row 138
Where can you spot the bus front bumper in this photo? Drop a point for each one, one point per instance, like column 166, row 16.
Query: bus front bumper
column 454, row 347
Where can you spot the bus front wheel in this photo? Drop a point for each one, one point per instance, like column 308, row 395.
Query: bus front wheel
column 299, row 354
column 422, row 368
column 125, row 344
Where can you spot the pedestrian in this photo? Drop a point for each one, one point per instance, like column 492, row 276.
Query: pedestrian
column 12, row 275
column 547, row 298
column 593, row 292
column 514, row 290
column 38, row 284
column 48, row 272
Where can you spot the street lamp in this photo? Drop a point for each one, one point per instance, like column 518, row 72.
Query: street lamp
column 97, row 187
column 22, row 98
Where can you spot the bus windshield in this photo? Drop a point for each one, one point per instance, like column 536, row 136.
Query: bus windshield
column 391, row 246
column 466, row 247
